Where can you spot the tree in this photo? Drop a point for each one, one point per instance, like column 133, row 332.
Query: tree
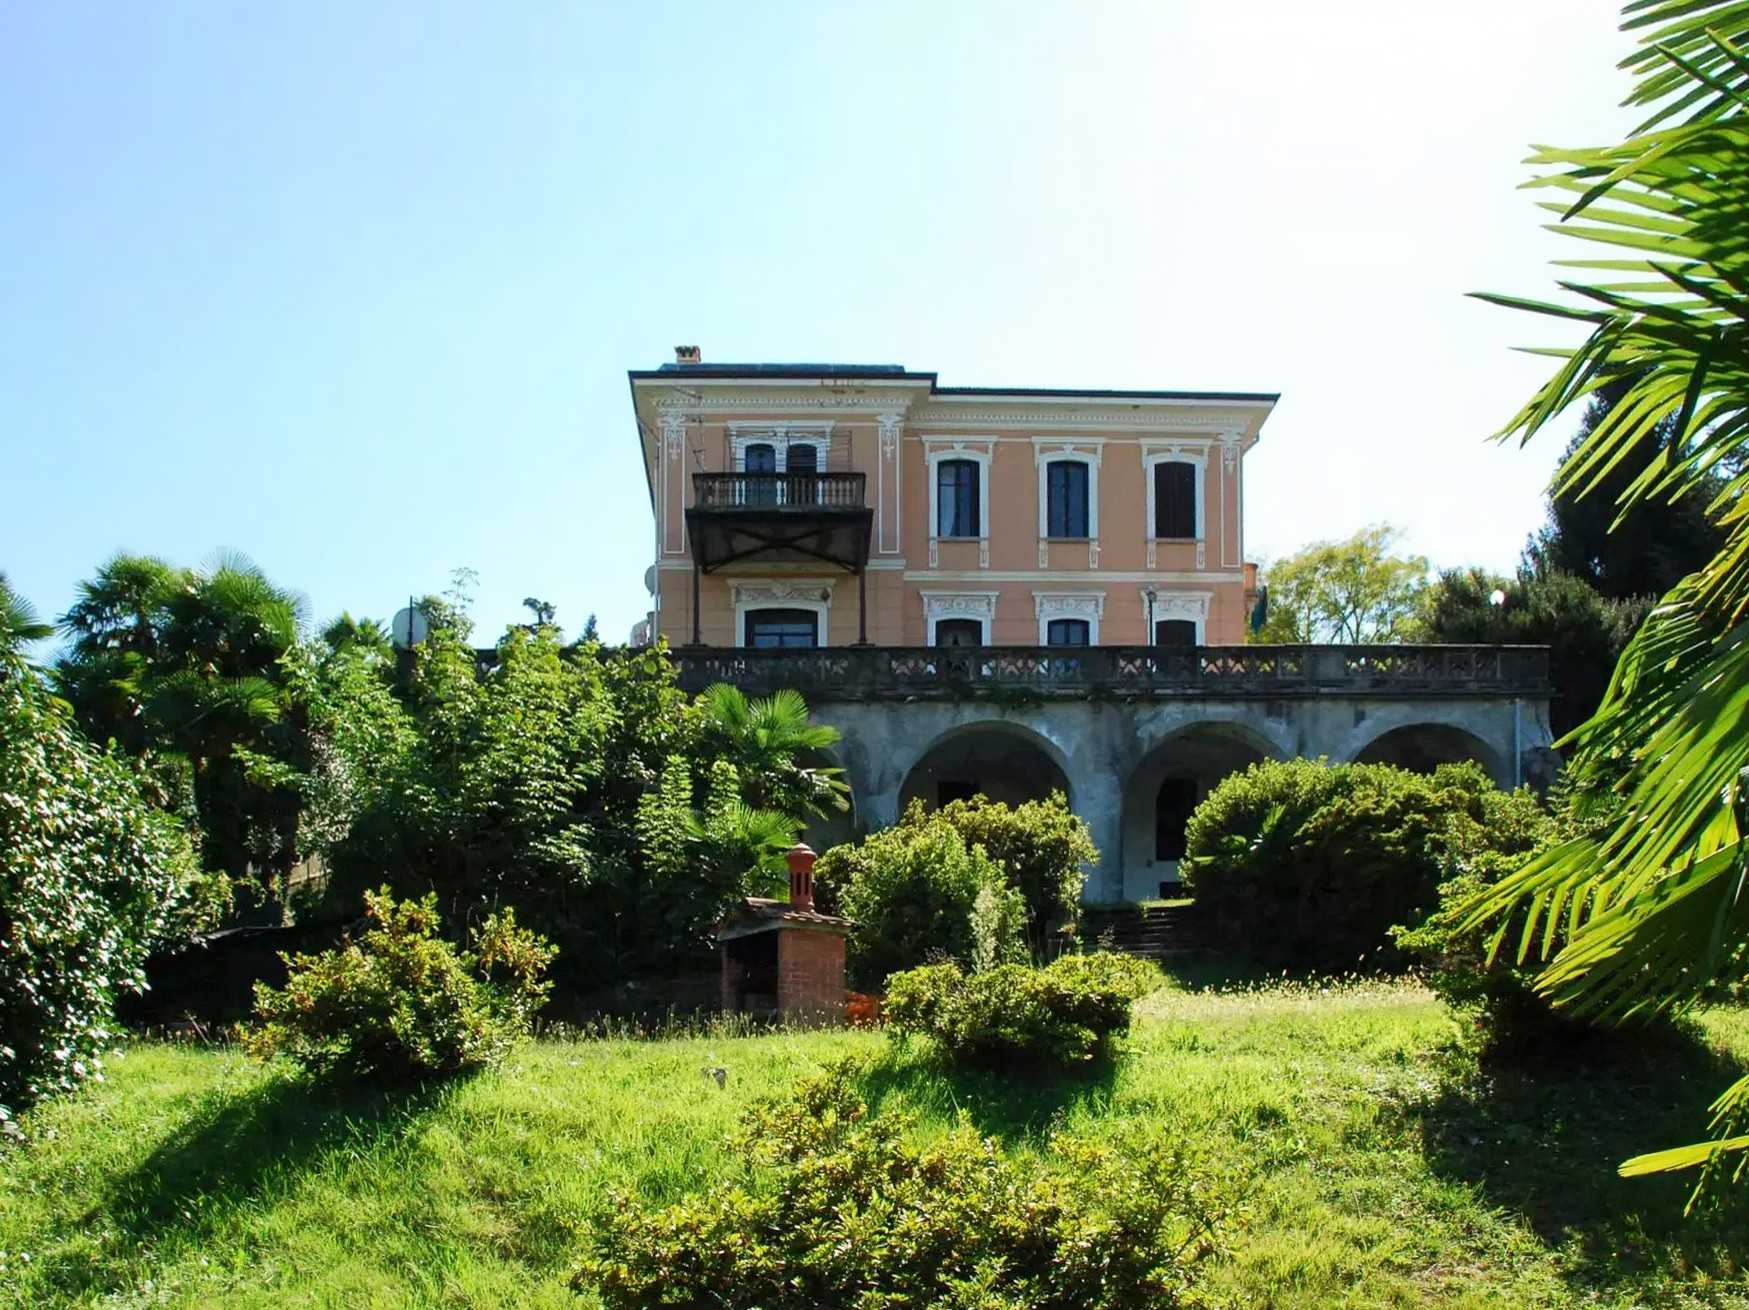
column 585, row 790
column 19, row 624
column 1584, row 632
column 542, row 611
column 770, row 739
column 1642, row 550
column 184, row 667
column 1652, row 905
column 1348, row 592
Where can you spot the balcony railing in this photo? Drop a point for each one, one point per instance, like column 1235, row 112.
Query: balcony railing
column 778, row 491
column 848, row 673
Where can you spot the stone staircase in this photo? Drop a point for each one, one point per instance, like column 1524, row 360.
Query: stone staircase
column 1154, row 932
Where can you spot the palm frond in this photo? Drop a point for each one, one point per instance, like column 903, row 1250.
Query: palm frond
column 1655, row 908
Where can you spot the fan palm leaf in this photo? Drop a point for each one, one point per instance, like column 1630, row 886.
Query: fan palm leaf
column 1645, row 917
column 19, row 622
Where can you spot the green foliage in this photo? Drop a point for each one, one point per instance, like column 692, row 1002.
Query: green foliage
column 1044, row 849
column 1653, row 908
column 1306, row 863
column 836, row 1208
column 1637, row 553
column 19, row 624
column 1584, row 632
column 1512, row 1021
column 581, row 787
column 1062, row 1014
column 401, row 1004
column 185, row 664
column 1349, row 591
column 777, row 746
column 92, row 879
column 911, row 890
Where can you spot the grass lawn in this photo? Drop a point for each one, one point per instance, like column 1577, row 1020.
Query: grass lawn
column 1379, row 1167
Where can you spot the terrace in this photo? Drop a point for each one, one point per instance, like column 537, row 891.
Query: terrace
column 905, row 673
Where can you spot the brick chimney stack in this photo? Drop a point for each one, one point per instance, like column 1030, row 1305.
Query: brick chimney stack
column 801, row 876
column 687, row 355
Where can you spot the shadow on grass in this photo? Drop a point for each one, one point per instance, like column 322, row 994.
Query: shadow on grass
column 1012, row 1105
column 1542, row 1141
column 1215, row 971
column 236, row 1148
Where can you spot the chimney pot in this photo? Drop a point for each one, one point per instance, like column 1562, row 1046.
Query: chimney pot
column 801, row 876
column 686, row 355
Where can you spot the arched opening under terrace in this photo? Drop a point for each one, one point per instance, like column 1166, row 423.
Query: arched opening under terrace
column 1166, row 787
column 1003, row 761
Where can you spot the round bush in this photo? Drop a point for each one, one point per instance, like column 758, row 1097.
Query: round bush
column 913, row 892
column 401, row 1004
column 1303, row 863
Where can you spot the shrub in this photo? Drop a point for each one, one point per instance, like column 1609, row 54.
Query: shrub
column 1307, row 863
column 1061, row 1014
column 1044, row 850
column 92, row 879
column 402, row 1004
column 836, row 1209
column 912, row 892
column 1511, row 1019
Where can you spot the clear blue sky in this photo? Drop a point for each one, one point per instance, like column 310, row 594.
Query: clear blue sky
column 353, row 287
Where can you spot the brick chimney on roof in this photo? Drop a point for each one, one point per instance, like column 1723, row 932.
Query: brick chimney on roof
column 801, row 876
column 687, row 355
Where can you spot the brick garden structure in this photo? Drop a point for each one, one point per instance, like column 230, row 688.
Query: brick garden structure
column 783, row 958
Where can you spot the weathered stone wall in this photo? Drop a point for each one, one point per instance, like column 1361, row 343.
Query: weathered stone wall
column 1102, row 747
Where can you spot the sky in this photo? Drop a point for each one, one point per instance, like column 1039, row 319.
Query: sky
column 353, row 288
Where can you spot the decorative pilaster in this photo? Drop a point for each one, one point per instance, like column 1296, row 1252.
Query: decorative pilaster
column 673, row 482
column 887, row 485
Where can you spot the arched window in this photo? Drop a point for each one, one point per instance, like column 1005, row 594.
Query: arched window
column 956, row 502
column 959, row 632
column 1175, row 632
column 1173, row 806
column 1068, row 632
column 782, row 629
column 1174, row 499
column 1066, row 498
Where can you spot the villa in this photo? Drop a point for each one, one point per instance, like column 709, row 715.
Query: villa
column 1015, row 590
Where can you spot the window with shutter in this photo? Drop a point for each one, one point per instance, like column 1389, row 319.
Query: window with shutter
column 1174, row 499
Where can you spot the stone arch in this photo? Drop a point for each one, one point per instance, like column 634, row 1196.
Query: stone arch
column 1167, row 782
column 998, row 758
column 1423, row 744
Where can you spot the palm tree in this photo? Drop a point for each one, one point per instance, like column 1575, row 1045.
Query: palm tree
column 1656, row 910
column 19, row 623
column 769, row 739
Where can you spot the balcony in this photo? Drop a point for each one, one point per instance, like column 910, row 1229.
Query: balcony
column 802, row 518
column 903, row 673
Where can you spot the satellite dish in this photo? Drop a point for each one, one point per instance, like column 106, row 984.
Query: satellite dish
column 650, row 579
column 409, row 628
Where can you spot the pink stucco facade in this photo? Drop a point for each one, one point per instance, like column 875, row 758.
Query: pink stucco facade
column 1006, row 577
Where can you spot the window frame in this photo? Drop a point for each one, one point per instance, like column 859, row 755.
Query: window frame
column 1048, row 453
column 978, row 497
column 751, row 614
column 1085, row 624
column 1199, row 497
column 1066, row 463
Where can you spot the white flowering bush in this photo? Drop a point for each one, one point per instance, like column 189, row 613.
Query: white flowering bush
column 92, row 878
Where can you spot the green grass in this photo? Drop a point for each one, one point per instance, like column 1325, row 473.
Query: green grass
column 1379, row 1166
